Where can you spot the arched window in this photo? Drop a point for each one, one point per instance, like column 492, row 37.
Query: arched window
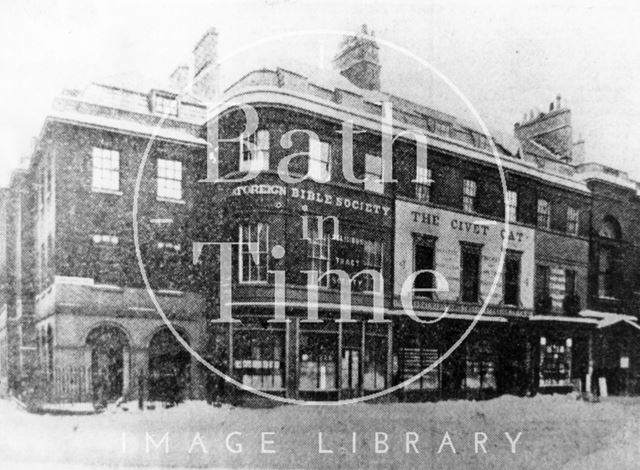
column 610, row 228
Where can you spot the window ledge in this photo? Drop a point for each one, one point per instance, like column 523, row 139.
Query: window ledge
column 604, row 297
column 108, row 287
column 167, row 199
column 106, row 191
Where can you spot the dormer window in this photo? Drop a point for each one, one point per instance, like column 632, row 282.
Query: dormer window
column 165, row 104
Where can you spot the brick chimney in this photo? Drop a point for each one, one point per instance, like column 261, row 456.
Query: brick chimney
column 205, row 67
column 179, row 79
column 358, row 60
column 548, row 132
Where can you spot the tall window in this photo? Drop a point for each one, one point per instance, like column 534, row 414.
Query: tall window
column 423, row 184
column 470, row 272
column 569, row 282
column 319, row 160
column 512, row 206
column 254, row 151
column 106, row 170
column 373, row 261
column 572, row 220
column 169, row 179
column 254, row 252
column 512, row 278
column 319, row 253
column 605, row 272
column 542, row 289
column 373, row 173
column 469, row 196
column 544, row 220
column 423, row 258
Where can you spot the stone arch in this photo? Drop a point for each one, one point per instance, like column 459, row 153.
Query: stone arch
column 113, row 324
column 109, row 346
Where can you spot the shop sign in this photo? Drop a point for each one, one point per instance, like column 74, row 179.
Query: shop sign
column 312, row 196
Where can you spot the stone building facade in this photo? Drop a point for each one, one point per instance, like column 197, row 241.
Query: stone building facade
column 548, row 259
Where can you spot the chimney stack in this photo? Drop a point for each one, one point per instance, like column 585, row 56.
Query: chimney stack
column 179, row 79
column 358, row 60
column 550, row 130
column 205, row 66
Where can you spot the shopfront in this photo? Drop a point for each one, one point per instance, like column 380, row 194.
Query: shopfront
column 335, row 232
column 464, row 250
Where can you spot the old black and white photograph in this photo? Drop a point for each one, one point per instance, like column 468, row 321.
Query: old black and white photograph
column 296, row 234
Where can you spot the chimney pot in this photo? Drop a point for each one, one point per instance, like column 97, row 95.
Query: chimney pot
column 558, row 101
column 551, row 106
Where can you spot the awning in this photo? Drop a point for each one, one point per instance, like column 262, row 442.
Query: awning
column 607, row 319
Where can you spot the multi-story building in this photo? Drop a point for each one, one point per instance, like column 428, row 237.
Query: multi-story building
column 281, row 255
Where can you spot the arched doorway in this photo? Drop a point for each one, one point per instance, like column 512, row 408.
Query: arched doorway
column 169, row 363
column 109, row 356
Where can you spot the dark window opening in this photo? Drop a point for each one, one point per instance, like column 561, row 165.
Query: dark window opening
column 424, row 259
column 470, row 267
column 512, row 279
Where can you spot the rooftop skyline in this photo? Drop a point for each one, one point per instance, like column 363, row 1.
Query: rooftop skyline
column 505, row 59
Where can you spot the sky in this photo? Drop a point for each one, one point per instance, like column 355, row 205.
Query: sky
column 504, row 57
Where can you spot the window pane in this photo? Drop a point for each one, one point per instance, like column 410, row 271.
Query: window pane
column 106, row 169
column 512, row 206
column 543, row 213
column 254, row 252
column 319, row 160
column 572, row 220
column 254, row 151
column 373, row 173
column 169, row 179
column 469, row 195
